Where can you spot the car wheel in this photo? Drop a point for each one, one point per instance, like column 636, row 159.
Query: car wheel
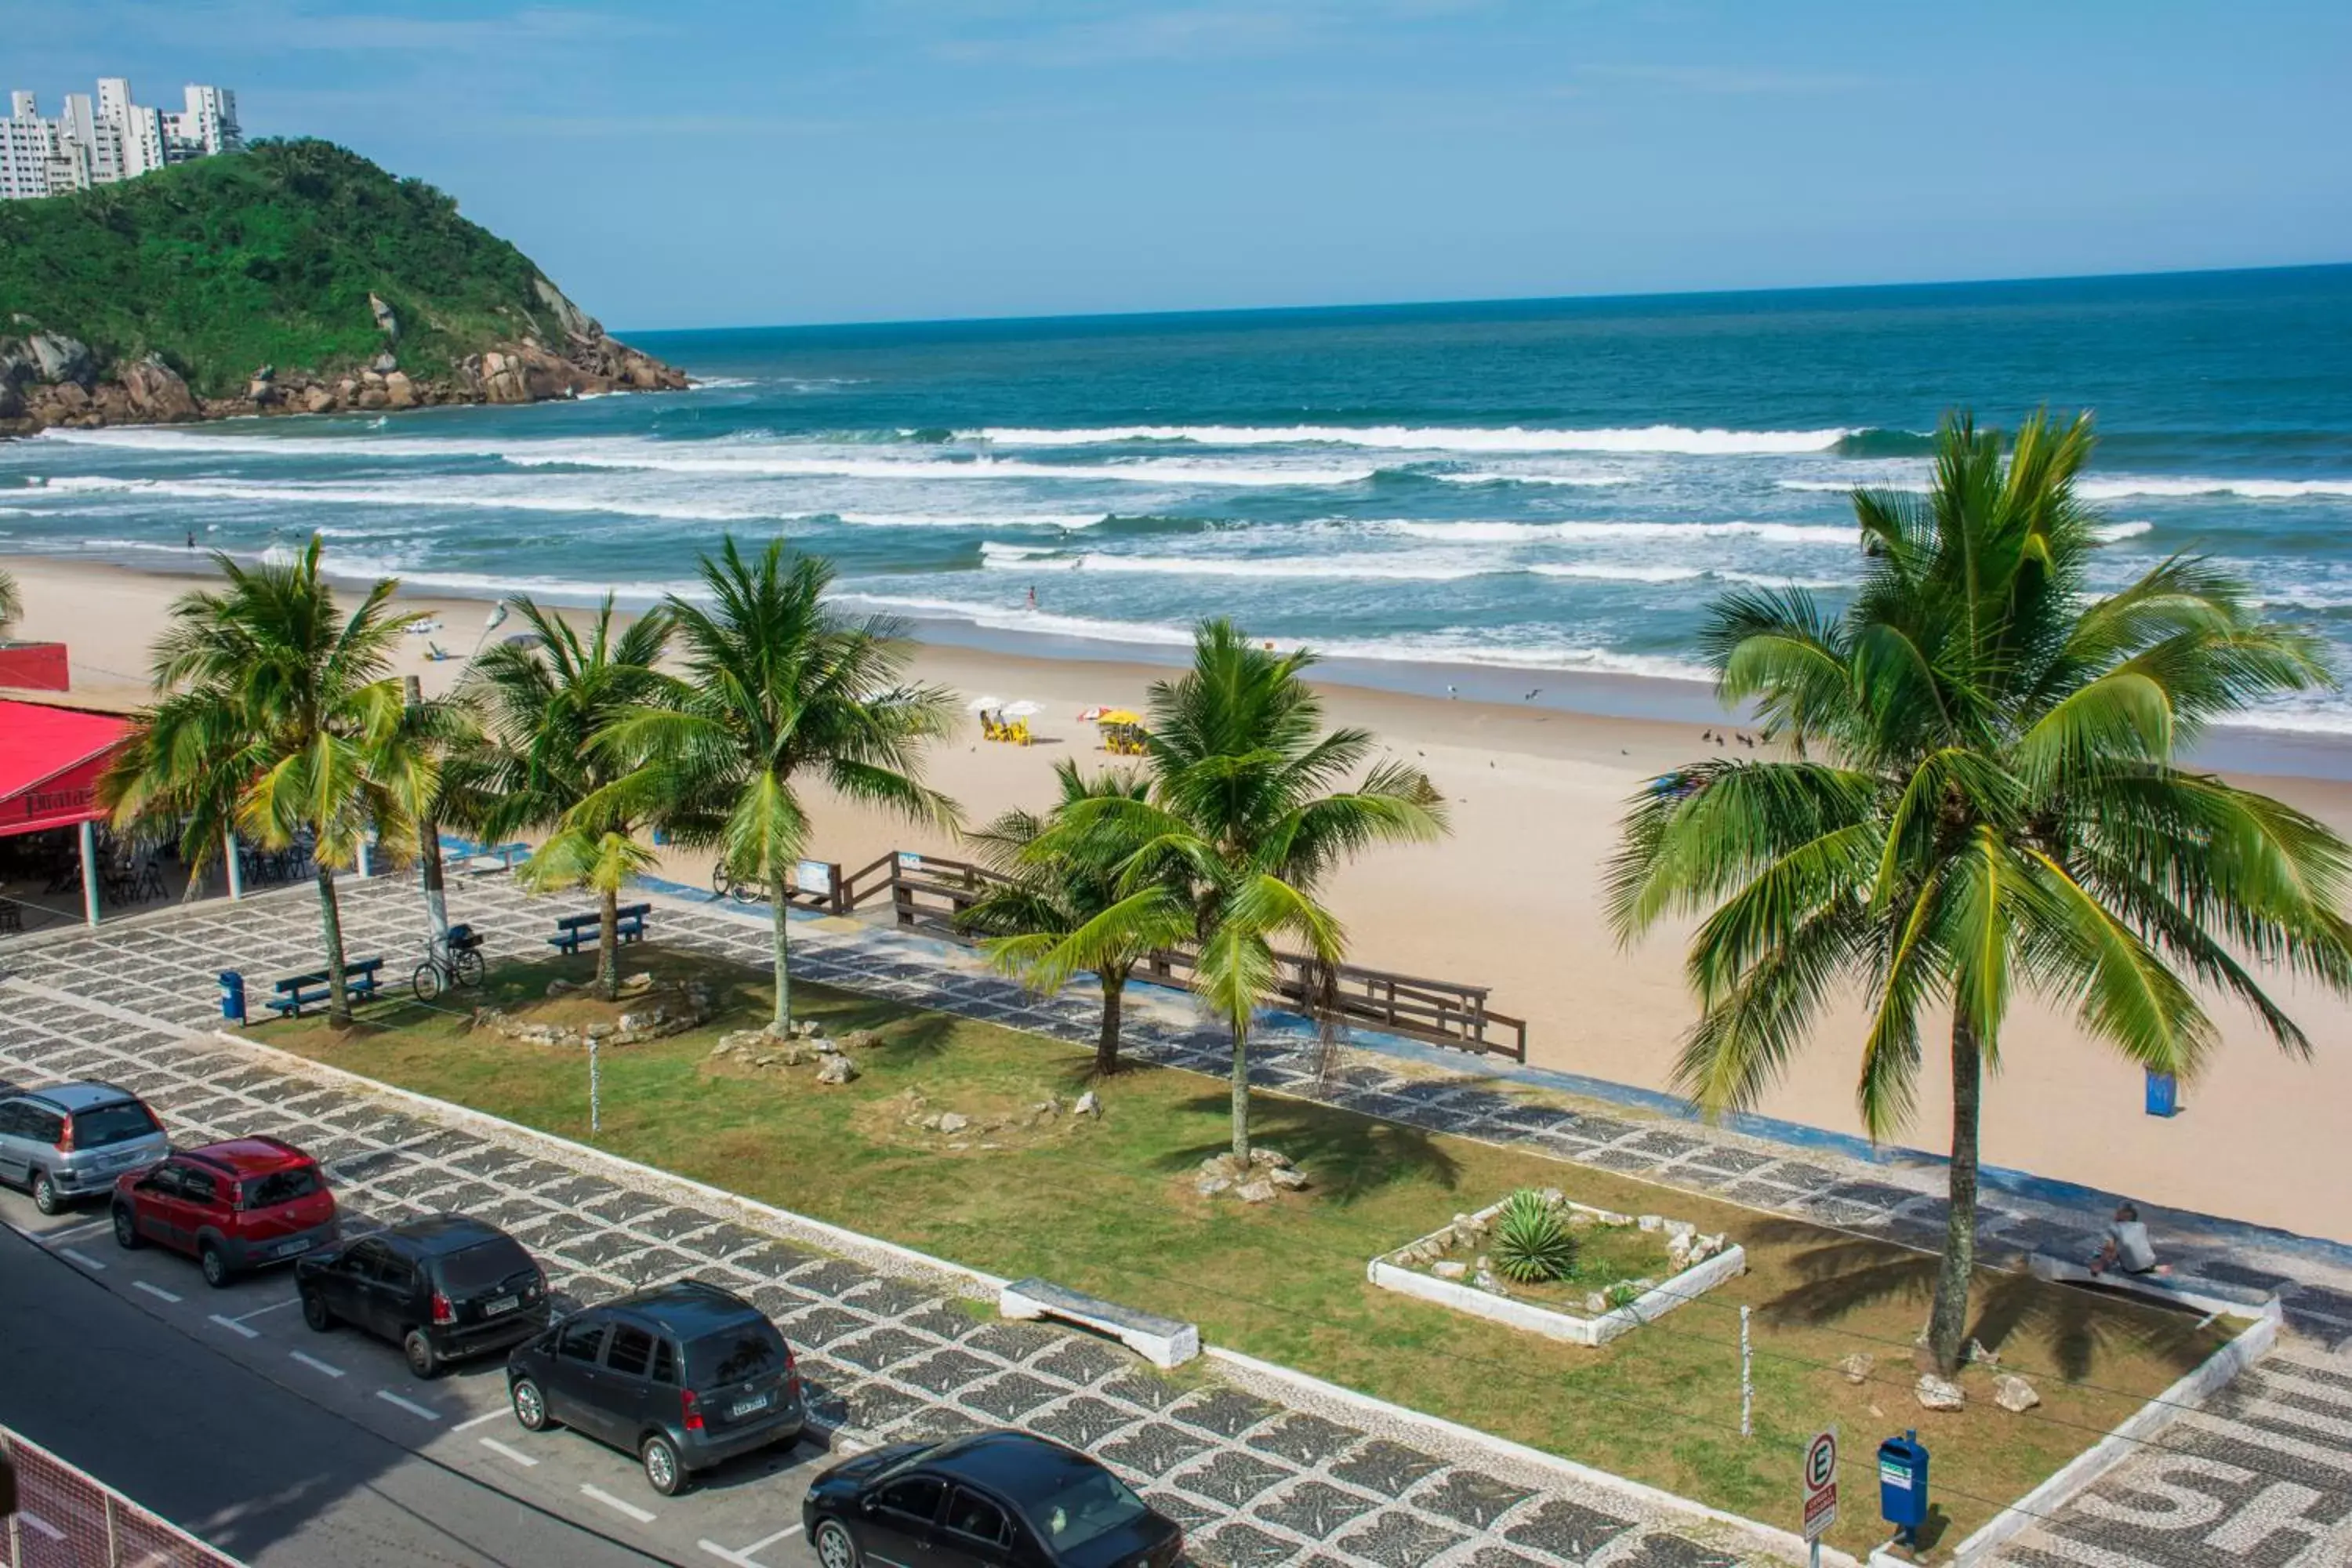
column 126, row 1229
column 664, row 1473
column 46, row 1196
column 316, row 1312
column 214, row 1264
column 835, row 1549
column 529, row 1405
column 422, row 1360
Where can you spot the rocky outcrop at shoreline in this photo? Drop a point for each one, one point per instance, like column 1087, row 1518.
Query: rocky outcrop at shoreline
column 49, row 379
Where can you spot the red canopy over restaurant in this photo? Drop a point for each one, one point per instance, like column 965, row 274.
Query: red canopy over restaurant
column 50, row 759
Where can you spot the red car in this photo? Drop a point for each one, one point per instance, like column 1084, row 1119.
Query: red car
column 234, row 1205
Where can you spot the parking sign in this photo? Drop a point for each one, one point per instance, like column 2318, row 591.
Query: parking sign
column 1821, row 1484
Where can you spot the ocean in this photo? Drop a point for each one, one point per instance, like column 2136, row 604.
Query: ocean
column 1489, row 496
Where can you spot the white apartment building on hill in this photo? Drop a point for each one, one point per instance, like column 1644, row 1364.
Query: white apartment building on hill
column 96, row 142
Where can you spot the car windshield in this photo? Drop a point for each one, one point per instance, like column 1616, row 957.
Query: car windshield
column 112, row 1124
column 733, row 1356
column 282, row 1187
column 1093, row 1502
column 482, row 1265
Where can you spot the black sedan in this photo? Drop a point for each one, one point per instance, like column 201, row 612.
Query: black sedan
column 994, row 1500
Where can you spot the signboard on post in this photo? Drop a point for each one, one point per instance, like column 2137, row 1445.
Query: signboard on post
column 1820, row 1491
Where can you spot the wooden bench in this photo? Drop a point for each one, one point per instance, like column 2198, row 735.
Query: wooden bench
column 1162, row 1341
column 573, row 932
column 296, row 992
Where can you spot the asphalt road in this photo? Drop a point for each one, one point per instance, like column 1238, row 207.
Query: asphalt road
column 221, row 1411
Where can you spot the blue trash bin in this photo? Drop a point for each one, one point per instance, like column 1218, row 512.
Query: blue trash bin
column 2163, row 1094
column 1903, row 1485
column 232, row 987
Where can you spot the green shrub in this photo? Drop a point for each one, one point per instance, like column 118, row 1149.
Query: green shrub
column 1532, row 1243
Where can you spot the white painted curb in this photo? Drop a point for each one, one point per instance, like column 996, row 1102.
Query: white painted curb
column 2136, row 1429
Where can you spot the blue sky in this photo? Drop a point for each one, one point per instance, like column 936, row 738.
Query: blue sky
column 709, row 163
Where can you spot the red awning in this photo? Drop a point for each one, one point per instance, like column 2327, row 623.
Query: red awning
column 49, row 761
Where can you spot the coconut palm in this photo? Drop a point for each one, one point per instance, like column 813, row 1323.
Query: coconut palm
column 779, row 691
column 1249, row 811
column 279, row 716
column 1983, row 797
column 542, row 701
column 1059, row 911
column 12, row 603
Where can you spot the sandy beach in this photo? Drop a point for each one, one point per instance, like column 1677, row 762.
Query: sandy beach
column 1512, row 901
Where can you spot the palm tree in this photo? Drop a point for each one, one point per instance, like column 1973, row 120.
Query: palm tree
column 1248, row 812
column 779, row 688
column 1058, row 911
column 1983, row 796
column 542, row 701
column 12, row 603
column 277, row 715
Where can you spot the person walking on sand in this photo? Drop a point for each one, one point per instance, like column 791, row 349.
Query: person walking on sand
column 2126, row 1245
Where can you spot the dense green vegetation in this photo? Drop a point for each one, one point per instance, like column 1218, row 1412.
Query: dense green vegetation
column 266, row 258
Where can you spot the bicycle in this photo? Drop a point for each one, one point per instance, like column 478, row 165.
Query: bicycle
column 459, row 963
column 724, row 884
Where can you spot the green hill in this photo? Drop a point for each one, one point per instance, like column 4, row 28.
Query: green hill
column 269, row 258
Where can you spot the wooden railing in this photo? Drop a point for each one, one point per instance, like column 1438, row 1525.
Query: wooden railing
column 931, row 894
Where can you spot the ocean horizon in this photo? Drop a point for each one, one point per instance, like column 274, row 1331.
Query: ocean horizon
column 1493, row 495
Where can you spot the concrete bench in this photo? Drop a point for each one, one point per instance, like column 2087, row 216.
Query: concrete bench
column 2203, row 1295
column 1162, row 1341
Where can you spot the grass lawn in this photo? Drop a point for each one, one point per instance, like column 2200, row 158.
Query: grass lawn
column 1107, row 1207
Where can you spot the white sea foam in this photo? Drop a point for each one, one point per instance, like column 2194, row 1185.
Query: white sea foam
column 2114, row 531
column 983, row 521
column 1358, row 566
column 1846, row 487
column 2122, row 485
column 1659, row 438
column 1537, row 532
column 1488, row 477
column 408, row 496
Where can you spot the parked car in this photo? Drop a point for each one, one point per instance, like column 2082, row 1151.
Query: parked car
column 233, row 1207
column 993, row 1499
column 685, row 1376
column 72, row 1140
column 442, row 1288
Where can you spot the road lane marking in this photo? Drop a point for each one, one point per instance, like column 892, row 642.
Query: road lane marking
column 157, row 1292
column 315, row 1365
column 233, row 1326
column 84, row 1259
column 389, row 1397
column 73, row 1230
column 471, row 1422
column 643, row 1516
column 743, row 1558
column 274, row 1306
column 27, row 1516
column 517, row 1455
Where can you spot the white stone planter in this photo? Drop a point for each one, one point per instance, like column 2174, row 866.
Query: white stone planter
column 1554, row 1322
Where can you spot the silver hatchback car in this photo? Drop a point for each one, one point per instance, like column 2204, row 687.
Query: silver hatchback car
column 71, row 1140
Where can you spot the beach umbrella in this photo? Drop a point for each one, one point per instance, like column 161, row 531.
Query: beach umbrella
column 1118, row 716
column 985, row 704
column 1093, row 715
column 1022, row 710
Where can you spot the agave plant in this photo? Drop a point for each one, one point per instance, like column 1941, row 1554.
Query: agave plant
column 1531, row 1243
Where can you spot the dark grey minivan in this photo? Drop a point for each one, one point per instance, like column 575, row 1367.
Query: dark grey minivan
column 71, row 1140
column 685, row 1376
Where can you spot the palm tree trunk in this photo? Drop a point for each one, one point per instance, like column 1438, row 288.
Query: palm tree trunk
column 781, row 907
column 1114, row 994
column 1949, row 1320
column 1241, row 1090
column 331, row 924
column 608, row 944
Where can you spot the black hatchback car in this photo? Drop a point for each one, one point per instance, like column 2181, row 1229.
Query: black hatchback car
column 685, row 1376
column 994, row 1500
column 442, row 1288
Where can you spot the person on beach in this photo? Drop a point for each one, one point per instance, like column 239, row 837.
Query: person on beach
column 1033, row 596
column 2126, row 1245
